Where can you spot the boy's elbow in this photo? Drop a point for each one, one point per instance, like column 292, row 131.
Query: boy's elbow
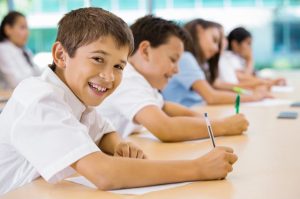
column 162, row 136
column 104, row 184
column 166, row 139
column 166, row 134
column 211, row 100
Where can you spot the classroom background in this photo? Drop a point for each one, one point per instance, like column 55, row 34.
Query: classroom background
column 274, row 24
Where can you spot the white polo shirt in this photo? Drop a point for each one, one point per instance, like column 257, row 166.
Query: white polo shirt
column 133, row 94
column 229, row 63
column 44, row 129
column 13, row 65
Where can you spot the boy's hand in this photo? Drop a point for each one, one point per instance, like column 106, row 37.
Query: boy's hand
column 235, row 125
column 260, row 94
column 127, row 149
column 216, row 164
column 279, row 82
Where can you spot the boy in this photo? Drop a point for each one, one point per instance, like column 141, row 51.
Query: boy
column 54, row 131
column 137, row 102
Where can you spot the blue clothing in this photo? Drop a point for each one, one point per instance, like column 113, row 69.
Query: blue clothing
column 179, row 88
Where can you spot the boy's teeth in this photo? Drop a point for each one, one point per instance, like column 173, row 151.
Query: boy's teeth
column 98, row 88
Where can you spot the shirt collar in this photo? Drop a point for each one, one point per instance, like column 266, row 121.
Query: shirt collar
column 77, row 106
column 17, row 48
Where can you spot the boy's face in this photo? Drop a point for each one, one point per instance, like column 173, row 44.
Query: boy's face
column 163, row 62
column 95, row 71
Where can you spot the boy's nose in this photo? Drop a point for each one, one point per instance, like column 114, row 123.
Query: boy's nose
column 107, row 76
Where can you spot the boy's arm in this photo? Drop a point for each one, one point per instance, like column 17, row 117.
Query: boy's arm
column 109, row 142
column 108, row 172
column 183, row 128
column 173, row 109
column 112, row 144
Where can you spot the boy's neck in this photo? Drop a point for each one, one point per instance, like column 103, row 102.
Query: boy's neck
column 137, row 62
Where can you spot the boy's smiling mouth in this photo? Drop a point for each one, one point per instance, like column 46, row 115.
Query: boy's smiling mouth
column 99, row 90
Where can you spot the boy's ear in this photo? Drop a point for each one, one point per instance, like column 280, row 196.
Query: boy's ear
column 59, row 55
column 144, row 49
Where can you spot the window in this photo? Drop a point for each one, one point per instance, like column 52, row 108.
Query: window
column 159, row 4
column 128, row 4
column 3, row 8
column 105, row 4
column 184, row 3
column 212, row 3
column 243, row 3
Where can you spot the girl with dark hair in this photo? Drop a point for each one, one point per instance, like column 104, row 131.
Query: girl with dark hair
column 198, row 69
column 15, row 60
column 236, row 63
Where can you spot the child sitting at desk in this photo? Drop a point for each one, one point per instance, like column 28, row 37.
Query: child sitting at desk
column 49, row 128
column 238, row 60
column 137, row 102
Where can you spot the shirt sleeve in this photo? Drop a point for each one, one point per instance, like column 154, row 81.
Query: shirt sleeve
column 103, row 126
column 189, row 71
column 135, row 94
column 227, row 71
column 51, row 138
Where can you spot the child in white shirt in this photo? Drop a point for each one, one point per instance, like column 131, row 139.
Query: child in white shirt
column 49, row 128
column 15, row 61
column 238, row 62
column 137, row 102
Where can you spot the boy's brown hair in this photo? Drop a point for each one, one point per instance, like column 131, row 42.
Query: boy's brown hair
column 156, row 30
column 83, row 26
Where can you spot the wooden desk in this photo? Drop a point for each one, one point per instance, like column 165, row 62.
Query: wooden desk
column 268, row 165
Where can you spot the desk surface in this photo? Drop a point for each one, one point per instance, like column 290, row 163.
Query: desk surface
column 268, row 165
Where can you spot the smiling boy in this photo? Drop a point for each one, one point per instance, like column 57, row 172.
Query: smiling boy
column 137, row 102
column 49, row 128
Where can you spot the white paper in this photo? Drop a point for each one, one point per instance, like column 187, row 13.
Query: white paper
column 268, row 102
column 282, row 89
column 148, row 135
column 137, row 191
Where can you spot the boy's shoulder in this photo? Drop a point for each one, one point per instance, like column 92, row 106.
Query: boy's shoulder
column 35, row 88
column 133, row 79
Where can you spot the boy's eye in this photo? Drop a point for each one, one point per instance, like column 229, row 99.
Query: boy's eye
column 98, row 59
column 120, row 67
column 173, row 59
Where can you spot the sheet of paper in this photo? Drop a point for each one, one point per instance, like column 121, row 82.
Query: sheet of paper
column 148, row 135
column 136, row 191
column 282, row 89
column 268, row 102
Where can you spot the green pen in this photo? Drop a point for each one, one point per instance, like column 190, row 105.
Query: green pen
column 242, row 91
column 237, row 104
